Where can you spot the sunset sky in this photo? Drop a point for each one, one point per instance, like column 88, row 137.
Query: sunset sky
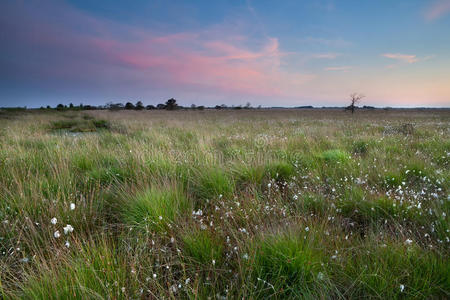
column 269, row 53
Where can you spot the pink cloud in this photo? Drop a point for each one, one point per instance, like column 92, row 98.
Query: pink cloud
column 437, row 10
column 124, row 55
column 406, row 58
column 191, row 60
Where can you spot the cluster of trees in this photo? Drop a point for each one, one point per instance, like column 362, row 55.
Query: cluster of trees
column 71, row 107
column 170, row 104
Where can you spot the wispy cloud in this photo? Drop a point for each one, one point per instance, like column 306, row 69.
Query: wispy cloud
column 329, row 42
column 324, row 5
column 406, row 58
column 340, row 68
column 437, row 10
column 428, row 57
column 326, row 55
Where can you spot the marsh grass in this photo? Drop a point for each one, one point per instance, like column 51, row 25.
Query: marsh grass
column 230, row 204
column 202, row 247
column 155, row 208
column 285, row 265
column 96, row 272
column 211, row 182
column 80, row 125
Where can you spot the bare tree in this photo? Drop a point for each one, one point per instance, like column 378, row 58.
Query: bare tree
column 355, row 98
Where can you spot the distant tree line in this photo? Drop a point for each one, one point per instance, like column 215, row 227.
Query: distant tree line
column 170, row 104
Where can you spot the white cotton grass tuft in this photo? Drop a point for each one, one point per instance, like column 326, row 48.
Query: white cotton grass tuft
column 54, row 221
column 68, row 228
column 72, row 206
column 56, row 234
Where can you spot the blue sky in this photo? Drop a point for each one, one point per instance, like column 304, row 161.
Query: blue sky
column 269, row 53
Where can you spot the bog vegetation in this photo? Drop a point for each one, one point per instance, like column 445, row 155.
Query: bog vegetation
column 225, row 204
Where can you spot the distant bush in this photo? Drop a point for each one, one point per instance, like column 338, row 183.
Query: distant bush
column 114, row 106
column 139, row 105
column 171, row 104
column 129, row 105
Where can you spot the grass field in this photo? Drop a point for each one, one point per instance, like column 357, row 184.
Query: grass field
column 225, row 204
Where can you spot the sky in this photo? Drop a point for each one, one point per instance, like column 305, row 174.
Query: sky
column 269, row 53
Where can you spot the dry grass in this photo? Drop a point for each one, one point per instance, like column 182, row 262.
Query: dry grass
column 225, row 204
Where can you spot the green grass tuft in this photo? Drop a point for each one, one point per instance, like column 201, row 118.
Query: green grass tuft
column 285, row 265
column 155, row 207
column 210, row 183
column 202, row 247
column 80, row 125
column 335, row 155
column 97, row 272
column 281, row 171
